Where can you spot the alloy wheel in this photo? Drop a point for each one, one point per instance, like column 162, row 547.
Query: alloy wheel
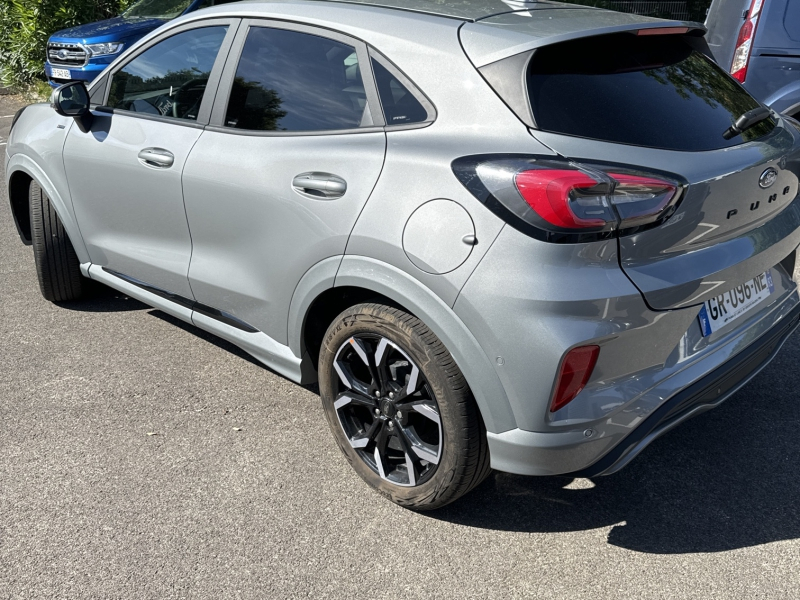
column 387, row 410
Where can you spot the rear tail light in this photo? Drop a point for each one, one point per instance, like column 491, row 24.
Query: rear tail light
column 565, row 201
column 565, row 198
column 744, row 43
column 576, row 368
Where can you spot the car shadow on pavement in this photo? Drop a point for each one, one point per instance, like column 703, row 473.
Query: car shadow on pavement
column 222, row 344
column 101, row 298
column 208, row 337
column 727, row 479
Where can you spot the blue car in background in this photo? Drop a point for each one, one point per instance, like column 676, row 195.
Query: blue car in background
column 82, row 52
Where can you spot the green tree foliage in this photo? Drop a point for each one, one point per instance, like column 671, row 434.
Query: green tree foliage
column 25, row 26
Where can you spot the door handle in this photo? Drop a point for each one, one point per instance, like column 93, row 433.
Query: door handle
column 319, row 185
column 156, row 157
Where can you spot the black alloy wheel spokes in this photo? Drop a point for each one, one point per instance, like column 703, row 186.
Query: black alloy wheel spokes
column 387, row 410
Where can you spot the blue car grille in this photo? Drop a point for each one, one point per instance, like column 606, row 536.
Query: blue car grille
column 71, row 55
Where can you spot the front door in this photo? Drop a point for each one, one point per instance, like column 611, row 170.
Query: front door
column 125, row 173
column 276, row 182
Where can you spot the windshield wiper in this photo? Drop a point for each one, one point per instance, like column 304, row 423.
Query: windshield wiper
column 746, row 121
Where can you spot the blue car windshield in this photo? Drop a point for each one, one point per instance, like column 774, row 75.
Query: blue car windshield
column 156, row 9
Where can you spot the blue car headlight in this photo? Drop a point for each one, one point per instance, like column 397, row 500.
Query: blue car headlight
column 104, row 49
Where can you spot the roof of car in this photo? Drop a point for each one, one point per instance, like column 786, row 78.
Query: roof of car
column 489, row 30
column 468, row 10
column 465, row 10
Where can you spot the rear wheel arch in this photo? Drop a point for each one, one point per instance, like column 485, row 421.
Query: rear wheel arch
column 329, row 289
column 329, row 305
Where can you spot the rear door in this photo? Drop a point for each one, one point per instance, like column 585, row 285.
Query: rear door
column 276, row 182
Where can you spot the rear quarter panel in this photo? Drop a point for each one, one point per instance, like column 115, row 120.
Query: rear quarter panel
column 471, row 119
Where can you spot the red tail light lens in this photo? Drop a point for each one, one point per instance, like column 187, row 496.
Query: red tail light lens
column 561, row 196
column 571, row 199
column 744, row 43
column 576, row 368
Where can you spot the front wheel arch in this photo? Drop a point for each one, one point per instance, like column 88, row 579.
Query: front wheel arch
column 24, row 167
column 18, row 186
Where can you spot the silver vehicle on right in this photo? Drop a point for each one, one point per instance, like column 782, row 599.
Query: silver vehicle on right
column 516, row 235
column 758, row 42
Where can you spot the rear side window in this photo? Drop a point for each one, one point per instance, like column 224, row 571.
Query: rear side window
column 399, row 104
column 292, row 81
column 654, row 91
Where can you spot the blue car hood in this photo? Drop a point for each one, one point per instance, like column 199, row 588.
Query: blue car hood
column 110, row 30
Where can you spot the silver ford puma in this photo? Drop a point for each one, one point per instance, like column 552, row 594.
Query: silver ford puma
column 523, row 236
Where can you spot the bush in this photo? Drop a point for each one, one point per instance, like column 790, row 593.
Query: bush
column 25, row 26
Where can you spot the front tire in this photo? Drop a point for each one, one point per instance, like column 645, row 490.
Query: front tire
column 400, row 408
column 57, row 265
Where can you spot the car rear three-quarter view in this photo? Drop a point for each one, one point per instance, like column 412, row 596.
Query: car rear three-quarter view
column 523, row 236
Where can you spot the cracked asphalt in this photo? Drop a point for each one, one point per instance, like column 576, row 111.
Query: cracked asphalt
column 143, row 458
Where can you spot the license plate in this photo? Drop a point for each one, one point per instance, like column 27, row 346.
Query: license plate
column 718, row 312
column 60, row 73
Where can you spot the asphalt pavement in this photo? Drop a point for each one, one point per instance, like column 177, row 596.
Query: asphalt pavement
column 143, row 458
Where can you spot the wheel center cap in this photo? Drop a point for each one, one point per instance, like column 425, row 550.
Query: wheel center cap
column 388, row 409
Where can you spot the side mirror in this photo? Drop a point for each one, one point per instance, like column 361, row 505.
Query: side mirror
column 72, row 100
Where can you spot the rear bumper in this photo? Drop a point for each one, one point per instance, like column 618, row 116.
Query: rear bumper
column 603, row 449
column 711, row 391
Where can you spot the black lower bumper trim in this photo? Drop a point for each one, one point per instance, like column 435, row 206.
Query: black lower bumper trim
column 708, row 392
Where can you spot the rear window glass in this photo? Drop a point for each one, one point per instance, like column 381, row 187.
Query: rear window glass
column 654, row 91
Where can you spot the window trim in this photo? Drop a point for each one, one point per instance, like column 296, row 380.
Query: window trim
column 212, row 87
column 223, row 95
column 395, row 71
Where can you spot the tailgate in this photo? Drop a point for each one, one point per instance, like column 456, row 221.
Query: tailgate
column 726, row 228
column 653, row 103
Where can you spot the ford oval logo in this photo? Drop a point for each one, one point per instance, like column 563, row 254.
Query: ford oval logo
column 767, row 178
column 62, row 54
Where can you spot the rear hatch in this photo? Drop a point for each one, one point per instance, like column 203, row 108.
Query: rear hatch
column 657, row 106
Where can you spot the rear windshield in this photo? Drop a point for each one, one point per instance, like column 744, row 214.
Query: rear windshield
column 655, row 91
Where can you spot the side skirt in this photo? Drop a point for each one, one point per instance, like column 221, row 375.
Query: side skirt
column 262, row 347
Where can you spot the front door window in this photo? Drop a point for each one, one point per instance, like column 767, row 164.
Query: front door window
column 169, row 79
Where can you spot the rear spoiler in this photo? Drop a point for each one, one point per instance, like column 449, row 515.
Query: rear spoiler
column 498, row 37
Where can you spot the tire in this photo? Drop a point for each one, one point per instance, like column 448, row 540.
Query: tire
column 57, row 265
column 399, row 452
